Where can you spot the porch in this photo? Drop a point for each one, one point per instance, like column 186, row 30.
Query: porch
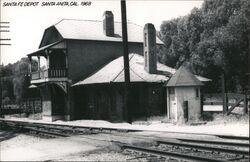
column 49, row 73
column 54, row 57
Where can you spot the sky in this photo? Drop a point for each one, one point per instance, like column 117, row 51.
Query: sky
column 27, row 23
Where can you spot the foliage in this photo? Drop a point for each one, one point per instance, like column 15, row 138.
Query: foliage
column 15, row 79
column 213, row 40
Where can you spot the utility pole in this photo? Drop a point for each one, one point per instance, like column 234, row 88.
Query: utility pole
column 127, row 111
column 248, row 63
column 0, row 89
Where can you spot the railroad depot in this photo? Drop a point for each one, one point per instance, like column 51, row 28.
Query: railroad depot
column 84, row 74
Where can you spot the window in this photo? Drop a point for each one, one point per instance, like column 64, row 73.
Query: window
column 171, row 90
column 145, row 39
column 197, row 95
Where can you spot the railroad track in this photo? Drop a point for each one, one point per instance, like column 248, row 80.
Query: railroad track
column 223, row 143
column 74, row 128
column 177, row 148
column 191, row 150
column 56, row 130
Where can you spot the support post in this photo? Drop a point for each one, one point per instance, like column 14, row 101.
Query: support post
column 66, row 58
column 168, row 103
column 38, row 57
column 34, row 105
column 30, row 65
column 47, row 58
column 224, row 95
column 202, row 97
column 0, row 94
column 245, row 104
column 126, row 62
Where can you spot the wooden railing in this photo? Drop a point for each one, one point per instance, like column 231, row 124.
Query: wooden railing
column 57, row 73
column 49, row 73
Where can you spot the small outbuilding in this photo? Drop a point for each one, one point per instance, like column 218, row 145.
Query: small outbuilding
column 183, row 96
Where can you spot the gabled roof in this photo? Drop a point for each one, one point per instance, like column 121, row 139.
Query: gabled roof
column 93, row 30
column 183, row 77
column 114, row 72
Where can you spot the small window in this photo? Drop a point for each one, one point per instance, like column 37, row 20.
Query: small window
column 146, row 58
column 145, row 39
column 171, row 90
column 197, row 93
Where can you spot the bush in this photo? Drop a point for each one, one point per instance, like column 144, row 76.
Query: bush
column 207, row 116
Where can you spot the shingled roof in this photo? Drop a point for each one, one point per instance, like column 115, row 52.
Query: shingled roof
column 114, row 72
column 183, row 77
column 93, row 30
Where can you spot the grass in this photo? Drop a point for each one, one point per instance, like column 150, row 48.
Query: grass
column 208, row 117
column 232, row 118
column 152, row 119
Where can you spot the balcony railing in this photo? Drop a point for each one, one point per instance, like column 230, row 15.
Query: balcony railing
column 49, row 73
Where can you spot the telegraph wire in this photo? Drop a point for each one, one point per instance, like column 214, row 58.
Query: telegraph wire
column 4, row 28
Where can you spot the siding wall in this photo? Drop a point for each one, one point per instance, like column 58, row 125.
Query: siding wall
column 187, row 94
column 105, row 102
column 86, row 57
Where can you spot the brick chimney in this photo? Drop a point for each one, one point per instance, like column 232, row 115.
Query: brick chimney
column 108, row 23
column 149, row 48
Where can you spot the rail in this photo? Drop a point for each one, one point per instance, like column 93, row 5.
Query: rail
column 169, row 154
column 239, row 144
column 203, row 147
column 62, row 130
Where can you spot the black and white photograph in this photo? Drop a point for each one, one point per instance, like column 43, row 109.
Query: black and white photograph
column 124, row 80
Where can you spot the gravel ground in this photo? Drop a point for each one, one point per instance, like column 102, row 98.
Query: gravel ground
column 98, row 147
column 101, row 156
column 29, row 148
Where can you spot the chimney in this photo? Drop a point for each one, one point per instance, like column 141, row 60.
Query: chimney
column 149, row 48
column 108, row 23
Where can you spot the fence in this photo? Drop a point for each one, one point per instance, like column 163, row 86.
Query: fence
column 29, row 106
column 226, row 103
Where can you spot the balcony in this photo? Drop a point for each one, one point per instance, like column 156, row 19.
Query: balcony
column 49, row 74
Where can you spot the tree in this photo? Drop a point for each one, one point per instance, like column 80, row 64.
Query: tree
column 212, row 39
column 15, row 79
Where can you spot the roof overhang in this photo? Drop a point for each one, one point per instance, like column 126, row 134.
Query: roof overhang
column 117, row 83
column 42, row 51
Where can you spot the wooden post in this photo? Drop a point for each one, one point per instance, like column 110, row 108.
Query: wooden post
column 127, row 114
column 248, row 63
column 245, row 104
column 224, row 95
column 248, row 73
column 47, row 58
column 30, row 65
column 0, row 92
column 34, row 105
column 38, row 57
column 168, row 103
column 66, row 58
column 201, row 99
